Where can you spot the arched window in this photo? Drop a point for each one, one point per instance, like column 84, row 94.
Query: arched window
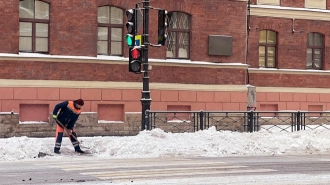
column 178, row 35
column 110, row 31
column 267, row 49
column 33, row 26
column 315, row 49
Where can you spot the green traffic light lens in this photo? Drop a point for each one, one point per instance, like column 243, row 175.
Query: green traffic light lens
column 129, row 40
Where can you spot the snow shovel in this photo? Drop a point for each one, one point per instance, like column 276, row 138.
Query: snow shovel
column 70, row 133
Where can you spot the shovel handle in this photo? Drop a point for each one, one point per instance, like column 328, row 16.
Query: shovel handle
column 67, row 130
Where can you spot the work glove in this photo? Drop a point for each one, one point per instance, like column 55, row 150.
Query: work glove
column 70, row 131
column 54, row 116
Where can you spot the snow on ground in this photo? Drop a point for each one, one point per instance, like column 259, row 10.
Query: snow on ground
column 157, row 143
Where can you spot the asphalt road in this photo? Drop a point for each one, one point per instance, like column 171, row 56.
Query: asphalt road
column 281, row 170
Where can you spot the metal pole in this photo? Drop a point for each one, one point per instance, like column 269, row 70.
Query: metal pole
column 201, row 118
column 298, row 121
column 250, row 121
column 145, row 100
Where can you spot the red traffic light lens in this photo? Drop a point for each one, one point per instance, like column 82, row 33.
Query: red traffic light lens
column 135, row 53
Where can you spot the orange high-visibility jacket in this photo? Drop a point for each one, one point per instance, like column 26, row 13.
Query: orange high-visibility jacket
column 68, row 113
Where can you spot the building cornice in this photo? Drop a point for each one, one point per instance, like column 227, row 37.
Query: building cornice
column 290, row 12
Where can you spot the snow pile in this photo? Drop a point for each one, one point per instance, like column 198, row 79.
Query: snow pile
column 211, row 143
column 18, row 148
column 157, row 143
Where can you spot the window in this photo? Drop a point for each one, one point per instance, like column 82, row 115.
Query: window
column 269, row 2
column 320, row 4
column 267, row 49
column 178, row 35
column 33, row 26
column 315, row 49
column 110, row 31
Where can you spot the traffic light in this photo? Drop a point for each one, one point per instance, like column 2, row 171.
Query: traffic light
column 135, row 53
column 131, row 27
column 162, row 24
column 135, row 60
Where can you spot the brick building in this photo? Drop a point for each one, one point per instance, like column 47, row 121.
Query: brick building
column 55, row 50
column 296, row 75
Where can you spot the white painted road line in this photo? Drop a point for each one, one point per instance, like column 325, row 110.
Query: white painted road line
column 166, row 174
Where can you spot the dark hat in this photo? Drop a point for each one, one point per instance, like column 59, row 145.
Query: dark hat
column 80, row 102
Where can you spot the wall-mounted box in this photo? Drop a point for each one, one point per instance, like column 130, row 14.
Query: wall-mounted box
column 220, row 45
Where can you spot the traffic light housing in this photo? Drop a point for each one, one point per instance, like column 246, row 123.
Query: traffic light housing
column 135, row 60
column 162, row 25
column 131, row 27
column 135, row 53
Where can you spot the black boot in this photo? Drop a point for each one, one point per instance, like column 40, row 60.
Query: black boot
column 57, row 150
column 78, row 150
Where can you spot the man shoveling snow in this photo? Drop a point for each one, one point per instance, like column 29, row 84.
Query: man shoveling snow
column 66, row 120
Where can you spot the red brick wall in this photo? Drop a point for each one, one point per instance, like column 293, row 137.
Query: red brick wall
column 9, row 26
column 73, row 26
column 38, row 70
column 289, row 80
column 73, row 32
column 291, row 51
column 208, row 18
column 291, row 46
